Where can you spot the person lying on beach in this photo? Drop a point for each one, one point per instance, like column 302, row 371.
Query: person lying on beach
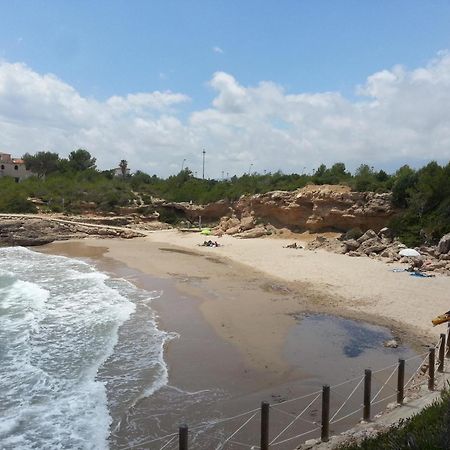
column 294, row 245
column 209, row 244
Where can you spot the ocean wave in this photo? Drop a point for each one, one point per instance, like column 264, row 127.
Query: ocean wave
column 61, row 321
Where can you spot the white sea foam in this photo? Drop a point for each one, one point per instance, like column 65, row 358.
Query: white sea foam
column 60, row 321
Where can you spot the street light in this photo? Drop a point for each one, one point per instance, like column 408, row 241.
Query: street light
column 250, row 169
column 203, row 173
column 182, row 164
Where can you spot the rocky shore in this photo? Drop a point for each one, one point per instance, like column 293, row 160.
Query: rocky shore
column 37, row 230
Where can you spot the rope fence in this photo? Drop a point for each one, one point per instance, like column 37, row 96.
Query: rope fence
column 302, row 409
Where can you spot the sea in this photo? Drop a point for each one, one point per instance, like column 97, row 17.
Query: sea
column 66, row 375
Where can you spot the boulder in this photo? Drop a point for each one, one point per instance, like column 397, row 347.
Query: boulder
column 253, row 233
column 369, row 234
column 444, row 244
column 351, row 245
column 392, row 343
column 373, row 245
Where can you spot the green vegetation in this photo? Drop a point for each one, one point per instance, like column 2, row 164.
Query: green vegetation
column 70, row 185
column 428, row 430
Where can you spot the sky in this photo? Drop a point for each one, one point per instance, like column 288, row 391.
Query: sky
column 259, row 85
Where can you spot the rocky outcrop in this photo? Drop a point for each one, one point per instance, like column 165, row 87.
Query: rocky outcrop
column 210, row 212
column 380, row 245
column 319, row 208
column 313, row 208
column 32, row 231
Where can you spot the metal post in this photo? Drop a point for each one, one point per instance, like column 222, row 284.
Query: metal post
column 431, row 358
column 183, row 437
column 367, row 394
column 264, row 426
column 203, row 173
column 324, row 435
column 441, row 353
column 401, row 381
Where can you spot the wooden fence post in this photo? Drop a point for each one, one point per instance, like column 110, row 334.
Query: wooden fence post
column 441, row 353
column 431, row 359
column 264, row 426
column 401, row 381
column 367, row 394
column 324, row 434
column 447, row 353
column 183, row 437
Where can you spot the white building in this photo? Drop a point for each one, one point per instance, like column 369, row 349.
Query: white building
column 118, row 172
column 13, row 167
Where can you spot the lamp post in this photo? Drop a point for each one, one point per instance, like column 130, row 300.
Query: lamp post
column 203, row 173
column 250, row 169
column 182, row 164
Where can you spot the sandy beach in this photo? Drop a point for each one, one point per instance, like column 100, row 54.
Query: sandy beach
column 266, row 285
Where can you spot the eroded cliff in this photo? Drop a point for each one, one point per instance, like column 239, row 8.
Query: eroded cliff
column 313, row 208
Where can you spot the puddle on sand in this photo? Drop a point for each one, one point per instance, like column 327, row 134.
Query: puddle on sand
column 331, row 349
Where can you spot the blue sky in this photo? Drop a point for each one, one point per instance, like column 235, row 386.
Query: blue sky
column 103, row 49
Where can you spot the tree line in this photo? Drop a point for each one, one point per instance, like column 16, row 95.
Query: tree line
column 74, row 184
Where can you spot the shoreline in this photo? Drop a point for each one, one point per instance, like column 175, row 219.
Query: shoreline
column 236, row 323
column 285, row 286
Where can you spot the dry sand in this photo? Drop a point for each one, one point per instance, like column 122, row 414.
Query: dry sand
column 251, row 291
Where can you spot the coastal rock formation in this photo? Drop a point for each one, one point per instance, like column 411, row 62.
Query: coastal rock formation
column 313, row 208
column 319, row 208
column 32, row 231
column 379, row 245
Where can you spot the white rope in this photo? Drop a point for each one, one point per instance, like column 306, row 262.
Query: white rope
column 415, row 357
column 244, row 445
column 417, row 371
column 298, row 398
column 220, row 446
column 149, row 442
column 167, row 443
column 347, row 399
column 292, row 422
column 347, row 415
column 344, row 382
column 295, row 437
column 382, row 387
column 292, row 415
column 384, row 399
column 227, row 419
column 384, row 368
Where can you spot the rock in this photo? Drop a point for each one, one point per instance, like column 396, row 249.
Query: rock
column 385, row 233
column 247, row 223
column 32, row 231
column 392, row 343
column 430, row 266
column 373, row 245
column 444, row 244
column 254, row 233
column 350, row 245
column 314, row 208
column 369, row 234
column 309, row 444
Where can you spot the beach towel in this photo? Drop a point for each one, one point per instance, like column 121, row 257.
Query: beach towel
column 422, row 275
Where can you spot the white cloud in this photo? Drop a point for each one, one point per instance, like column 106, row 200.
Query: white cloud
column 217, row 49
column 401, row 116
